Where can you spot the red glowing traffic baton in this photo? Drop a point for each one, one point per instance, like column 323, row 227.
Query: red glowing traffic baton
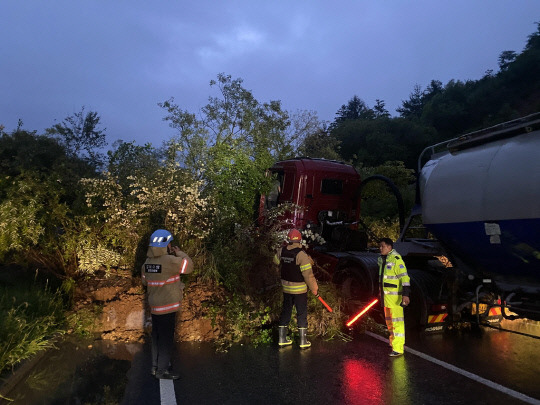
column 324, row 303
column 362, row 312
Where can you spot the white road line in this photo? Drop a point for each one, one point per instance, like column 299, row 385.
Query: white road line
column 465, row 373
column 166, row 391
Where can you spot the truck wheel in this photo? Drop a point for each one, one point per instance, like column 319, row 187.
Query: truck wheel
column 416, row 312
column 356, row 287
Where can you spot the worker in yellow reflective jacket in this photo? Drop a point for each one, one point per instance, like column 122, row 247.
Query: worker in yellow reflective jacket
column 161, row 275
column 395, row 289
column 296, row 277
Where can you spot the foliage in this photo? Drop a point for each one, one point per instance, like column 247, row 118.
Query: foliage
column 355, row 109
column 241, row 320
column 39, row 198
column 230, row 146
column 30, row 316
column 381, row 228
column 127, row 160
column 324, row 324
column 377, row 200
column 373, row 142
column 303, row 125
column 440, row 112
column 80, row 135
column 164, row 198
column 203, row 183
column 83, row 321
column 320, row 144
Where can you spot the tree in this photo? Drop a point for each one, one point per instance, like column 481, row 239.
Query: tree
column 377, row 200
column 81, row 136
column 40, row 199
column 320, row 144
column 380, row 110
column 303, row 125
column 533, row 40
column 371, row 143
column 435, row 87
column 355, row 109
column 130, row 160
column 506, row 58
column 230, row 145
column 412, row 108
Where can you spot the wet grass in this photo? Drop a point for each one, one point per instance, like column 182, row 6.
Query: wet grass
column 31, row 315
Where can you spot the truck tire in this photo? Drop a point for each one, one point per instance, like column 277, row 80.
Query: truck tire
column 416, row 313
column 356, row 285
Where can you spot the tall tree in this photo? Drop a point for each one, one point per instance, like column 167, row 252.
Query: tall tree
column 380, row 110
column 130, row 160
column 355, row 109
column 412, row 108
column 231, row 144
column 320, row 144
column 506, row 58
column 81, row 136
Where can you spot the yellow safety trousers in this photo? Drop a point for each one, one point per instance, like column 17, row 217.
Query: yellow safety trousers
column 395, row 323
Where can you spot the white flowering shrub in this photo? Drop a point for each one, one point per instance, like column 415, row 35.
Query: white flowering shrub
column 92, row 258
column 165, row 199
column 311, row 238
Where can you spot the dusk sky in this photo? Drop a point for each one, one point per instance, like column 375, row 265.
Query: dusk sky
column 121, row 58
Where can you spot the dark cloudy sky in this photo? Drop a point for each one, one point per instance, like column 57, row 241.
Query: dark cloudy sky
column 120, row 58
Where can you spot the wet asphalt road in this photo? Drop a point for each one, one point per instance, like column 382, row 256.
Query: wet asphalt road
column 356, row 372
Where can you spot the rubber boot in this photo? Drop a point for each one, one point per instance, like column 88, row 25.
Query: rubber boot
column 283, row 338
column 304, row 343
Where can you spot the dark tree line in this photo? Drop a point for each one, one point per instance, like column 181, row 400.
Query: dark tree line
column 369, row 137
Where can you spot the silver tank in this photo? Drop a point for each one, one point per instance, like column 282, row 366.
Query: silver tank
column 481, row 199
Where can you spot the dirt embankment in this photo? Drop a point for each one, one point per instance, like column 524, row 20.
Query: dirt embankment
column 125, row 314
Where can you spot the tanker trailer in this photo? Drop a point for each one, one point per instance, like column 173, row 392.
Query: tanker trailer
column 480, row 198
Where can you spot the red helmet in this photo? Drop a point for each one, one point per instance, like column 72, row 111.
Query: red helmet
column 294, row 235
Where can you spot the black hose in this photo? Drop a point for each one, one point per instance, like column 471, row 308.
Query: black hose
column 395, row 191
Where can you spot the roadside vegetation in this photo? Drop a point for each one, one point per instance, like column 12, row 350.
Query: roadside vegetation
column 68, row 209
column 31, row 315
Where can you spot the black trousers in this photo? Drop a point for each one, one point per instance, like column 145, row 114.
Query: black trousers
column 162, row 340
column 300, row 302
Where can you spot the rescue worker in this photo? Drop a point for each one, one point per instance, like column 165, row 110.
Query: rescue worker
column 161, row 274
column 395, row 289
column 296, row 277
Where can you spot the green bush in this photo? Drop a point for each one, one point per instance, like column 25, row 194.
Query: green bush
column 30, row 317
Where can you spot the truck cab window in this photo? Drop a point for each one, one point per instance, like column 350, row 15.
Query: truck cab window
column 332, row 186
column 273, row 196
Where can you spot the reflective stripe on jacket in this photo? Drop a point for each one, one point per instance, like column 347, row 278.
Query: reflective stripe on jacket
column 394, row 280
column 161, row 274
column 302, row 264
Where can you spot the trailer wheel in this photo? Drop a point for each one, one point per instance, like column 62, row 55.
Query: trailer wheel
column 417, row 312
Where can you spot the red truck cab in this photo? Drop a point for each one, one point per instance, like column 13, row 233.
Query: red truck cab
column 323, row 190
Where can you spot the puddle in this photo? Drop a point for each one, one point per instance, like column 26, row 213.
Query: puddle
column 76, row 372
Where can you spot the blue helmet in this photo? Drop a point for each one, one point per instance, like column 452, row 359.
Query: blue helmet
column 161, row 238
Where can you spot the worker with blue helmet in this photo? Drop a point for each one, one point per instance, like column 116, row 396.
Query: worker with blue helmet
column 161, row 273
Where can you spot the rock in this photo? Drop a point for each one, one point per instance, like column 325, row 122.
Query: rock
column 126, row 317
column 105, row 294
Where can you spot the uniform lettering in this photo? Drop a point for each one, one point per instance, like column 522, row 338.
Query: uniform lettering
column 152, row 268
